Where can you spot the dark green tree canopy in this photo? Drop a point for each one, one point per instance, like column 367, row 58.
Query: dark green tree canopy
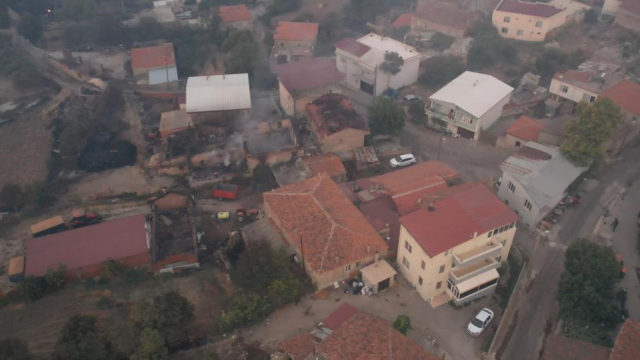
column 385, row 117
column 440, row 70
column 14, row 349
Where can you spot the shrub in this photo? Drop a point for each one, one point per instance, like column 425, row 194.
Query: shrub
column 402, row 324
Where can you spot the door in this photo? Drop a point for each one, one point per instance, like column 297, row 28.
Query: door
column 384, row 284
column 366, row 87
column 281, row 59
column 467, row 134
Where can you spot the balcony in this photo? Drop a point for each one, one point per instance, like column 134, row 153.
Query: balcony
column 432, row 113
column 479, row 254
column 459, row 275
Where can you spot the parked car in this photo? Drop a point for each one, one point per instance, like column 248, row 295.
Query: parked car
column 411, row 97
column 402, row 160
column 480, row 322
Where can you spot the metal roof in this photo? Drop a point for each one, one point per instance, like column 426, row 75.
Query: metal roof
column 218, row 93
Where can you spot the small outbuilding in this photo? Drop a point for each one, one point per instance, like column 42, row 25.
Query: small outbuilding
column 379, row 276
column 15, row 270
column 175, row 121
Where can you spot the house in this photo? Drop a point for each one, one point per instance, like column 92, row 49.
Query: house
column 351, row 334
column 305, row 80
column 522, row 131
column 335, row 124
column 454, row 245
column 175, row 121
column 628, row 15
column 83, row 251
column 589, row 81
column 443, row 18
column 527, row 21
column 360, row 60
column 610, row 8
column 535, row 179
column 625, row 94
column 527, row 97
column 468, row 104
column 271, row 142
column 627, row 345
column 154, row 65
column 305, row 167
column 218, row 97
column 235, row 16
column 294, row 41
column 328, row 233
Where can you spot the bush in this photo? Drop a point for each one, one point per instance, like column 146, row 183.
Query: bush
column 28, row 77
column 246, row 310
column 441, row 41
column 488, row 48
column 402, row 324
column 55, row 280
column 440, row 70
column 31, row 27
column 32, row 288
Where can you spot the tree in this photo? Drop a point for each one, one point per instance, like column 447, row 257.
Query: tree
column 13, row 196
column 28, row 77
column 39, row 194
column 32, row 288
column 152, row 346
column 174, row 311
column 148, row 28
column 55, row 279
column 416, row 111
column 31, row 27
column 440, row 70
column 144, row 315
column 121, row 333
column 441, row 41
column 488, row 48
column 391, row 65
column 80, row 340
column 258, row 266
column 402, row 324
column 111, row 31
column 590, row 16
column 111, row 102
column 285, row 291
column 243, row 58
column 78, row 10
column 586, row 290
column 236, row 37
column 385, row 117
column 358, row 12
column 246, row 310
column 587, row 135
column 553, row 60
column 14, row 349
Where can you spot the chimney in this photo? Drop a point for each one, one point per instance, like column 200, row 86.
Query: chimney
column 375, row 260
column 431, row 207
column 368, row 249
column 475, row 234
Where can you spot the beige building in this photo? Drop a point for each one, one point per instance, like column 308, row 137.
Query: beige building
column 628, row 15
column 294, row 41
column 443, row 18
column 451, row 249
column 527, row 21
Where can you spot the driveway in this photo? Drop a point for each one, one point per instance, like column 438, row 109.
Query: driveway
column 444, row 325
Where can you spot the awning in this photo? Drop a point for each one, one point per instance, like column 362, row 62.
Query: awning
column 476, row 281
column 377, row 272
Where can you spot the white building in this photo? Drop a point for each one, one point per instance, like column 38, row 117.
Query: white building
column 210, row 95
column 469, row 103
column 535, row 179
column 360, row 61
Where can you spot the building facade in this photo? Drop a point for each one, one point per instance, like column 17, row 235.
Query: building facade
column 235, row 17
column 294, row 41
column 628, row 15
column 527, row 21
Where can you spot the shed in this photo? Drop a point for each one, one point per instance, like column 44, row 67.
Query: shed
column 15, row 270
column 379, row 276
column 48, row 226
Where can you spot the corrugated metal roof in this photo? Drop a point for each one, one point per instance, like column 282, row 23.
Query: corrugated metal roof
column 159, row 76
column 47, row 224
column 218, row 93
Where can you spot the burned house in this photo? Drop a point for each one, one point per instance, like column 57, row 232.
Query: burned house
column 270, row 142
column 293, row 171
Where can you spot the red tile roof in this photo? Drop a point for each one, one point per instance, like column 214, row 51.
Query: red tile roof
column 627, row 345
column 575, row 75
column 296, row 31
column 340, row 315
column 153, row 57
column 563, row 348
column 446, row 15
column 352, row 46
column 234, row 13
column 309, row 73
column 403, row 20
column 332, row 113
column 329, row 164
column 171, row 201
column 456, row 218
column 632, row 6
column 300, row 346
column 539, row 10
column 625, row 94
column 382, row 215
column 91, row 245
column 367, row 337
column 334, row 232
column 526, row 128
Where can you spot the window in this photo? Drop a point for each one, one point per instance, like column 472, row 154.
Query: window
column 539, row 24
column 564, row 89
column 520, row 32
column 420, row 280
column 408, row 246
column 504, row 30
column 507, row 19
column 518, row 144
column 281, row 44
column 347, row 268
column 527, row 204
column 448, row 252
column 512, row 187
column 423, row 265
column 405, row 262
column 453, row 264
column 441, row 269
column 503, row 243
column 358, row 263
column 438, row 285
column 512, row 225
column 499, row 259
column 592, row 99
column 342, row 59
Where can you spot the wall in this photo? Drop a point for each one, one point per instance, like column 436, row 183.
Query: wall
column 408, row 75
column 509, row 141
column 295, row 103
column 350, row 66
column 574, row 93
column 286, row 101
column 610, row 7
column 628, row 20
column 289, row 47
column 345, row 140
column 239, row 25
column 516, row 200
column 95, row 270
column 418, row 24
column 527, row 24
column 494, row 113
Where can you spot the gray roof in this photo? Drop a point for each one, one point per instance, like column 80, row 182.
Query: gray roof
column 218, row 93
column 543, row 172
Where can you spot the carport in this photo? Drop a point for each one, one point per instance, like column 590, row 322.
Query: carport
column 379, row 276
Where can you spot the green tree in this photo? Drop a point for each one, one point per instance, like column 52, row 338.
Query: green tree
column 440, row 70
column 148, row 28
column 285, row 291
column 80, row 340
column 144, row 314
column 12, row 195
column 358, row 12
column 31, row 27
column 32, row 288
column 122, row 334
column 553, row 60
column 14, row 349
column 385, row 117
column 152, row 346
column 236, row 37
column 111, row 102
column 402, row 324
column 110, row 31
column 39, row 194
column 55, row 279
column 247, row 309
column 441, row 41
column 587, row 135
column 259, row 265
column 391, row 65
column 78, row 10
column 305, row 17
column 416, row 111
column 28, row 77
column 488, row 48
column 174, row 311
column 586, row 290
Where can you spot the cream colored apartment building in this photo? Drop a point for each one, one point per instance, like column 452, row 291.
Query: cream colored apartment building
column 527, row 21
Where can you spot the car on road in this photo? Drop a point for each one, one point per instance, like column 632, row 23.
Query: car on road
column 402, row 160
column 411, row 97
column 480, row 322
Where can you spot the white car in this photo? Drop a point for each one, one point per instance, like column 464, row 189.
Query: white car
column 480, row 322
column 402, row 160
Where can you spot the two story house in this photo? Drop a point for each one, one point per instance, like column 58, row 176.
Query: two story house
column 450, row 249
column 235, row 17
column 293, row 41
column 360, row 60
column 468, row 104
column 527, row 21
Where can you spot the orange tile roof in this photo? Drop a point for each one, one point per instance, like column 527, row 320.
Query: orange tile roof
column 153, row 57
column 300, row 31
column 300, row 346
column 627, row 346
column 329, row 164
column 234, row 13
column 403, row 20
column 625, row 94
column 526, row 128
column 446, row 15
column 367, row 337
column 563, row 348
column 334, row 232
column 332, row 113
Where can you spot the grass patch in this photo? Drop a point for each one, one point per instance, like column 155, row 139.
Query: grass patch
column 589, row 332
column 512, row 268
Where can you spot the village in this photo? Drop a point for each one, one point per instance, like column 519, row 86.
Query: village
column 320, row 179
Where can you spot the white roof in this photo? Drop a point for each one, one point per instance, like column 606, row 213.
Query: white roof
column 218, row 93
column 377, row 272
column 473, row 92
column 380, row 44
column 164, row 15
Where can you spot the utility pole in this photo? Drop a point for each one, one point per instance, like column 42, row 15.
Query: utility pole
column 439, row 145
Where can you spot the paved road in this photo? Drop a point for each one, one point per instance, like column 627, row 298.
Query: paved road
column 534, row 301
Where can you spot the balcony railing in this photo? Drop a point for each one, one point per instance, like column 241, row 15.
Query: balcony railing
column 459, row 275
column 450, row 119
column 468, row 258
